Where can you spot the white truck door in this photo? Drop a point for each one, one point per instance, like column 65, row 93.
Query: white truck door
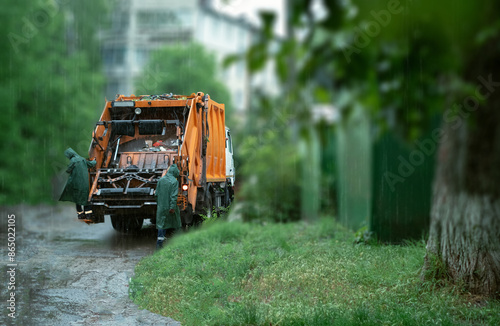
column 229, row 157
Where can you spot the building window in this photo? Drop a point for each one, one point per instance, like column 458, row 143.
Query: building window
column 114, row 56
column 158, row 19
column 120, row 20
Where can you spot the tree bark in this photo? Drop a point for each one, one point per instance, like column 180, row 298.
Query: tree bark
column 463, row 241
column 464, row 238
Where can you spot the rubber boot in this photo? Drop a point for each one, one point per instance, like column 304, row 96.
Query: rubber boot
column 159, row 243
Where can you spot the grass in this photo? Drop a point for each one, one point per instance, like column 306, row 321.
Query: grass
column 297, row 274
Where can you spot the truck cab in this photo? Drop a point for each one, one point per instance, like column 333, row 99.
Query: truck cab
column 229, row 158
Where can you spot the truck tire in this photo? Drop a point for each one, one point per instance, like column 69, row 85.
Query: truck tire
column 227, row 196
column 187, row 216
column 98, row 217
column 126, row 224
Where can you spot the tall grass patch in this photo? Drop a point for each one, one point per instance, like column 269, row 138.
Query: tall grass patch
column 296, row 274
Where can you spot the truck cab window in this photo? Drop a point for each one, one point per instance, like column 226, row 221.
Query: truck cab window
column 229, row 143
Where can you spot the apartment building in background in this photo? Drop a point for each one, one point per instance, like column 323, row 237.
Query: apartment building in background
column 139, row 27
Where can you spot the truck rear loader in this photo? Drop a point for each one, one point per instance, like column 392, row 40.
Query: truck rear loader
column 136, row 140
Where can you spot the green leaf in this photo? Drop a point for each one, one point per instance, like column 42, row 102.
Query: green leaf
column 296, row 10
column 282, row 68
column 267, row 18
column 257, row 57
column 322, row 95
column 231, row 59
column 334, row 19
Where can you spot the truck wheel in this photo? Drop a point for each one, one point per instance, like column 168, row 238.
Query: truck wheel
column 197, row 220
column 125, row 224
column 227, row 197
column 99, row 217
column 187, row 215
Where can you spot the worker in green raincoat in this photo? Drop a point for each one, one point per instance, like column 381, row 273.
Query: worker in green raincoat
column 77, row 186
column 167, row 212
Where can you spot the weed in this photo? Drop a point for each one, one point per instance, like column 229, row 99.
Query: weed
column 365, row 236
column 434, row 273
column 215, row 214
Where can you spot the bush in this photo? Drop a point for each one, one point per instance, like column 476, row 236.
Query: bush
column 271, row 190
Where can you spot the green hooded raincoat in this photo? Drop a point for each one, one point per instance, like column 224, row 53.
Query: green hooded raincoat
column 77, row 187
column 166, row 193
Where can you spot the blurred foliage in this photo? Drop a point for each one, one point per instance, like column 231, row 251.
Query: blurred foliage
column 267, row 158
column 51, row 91
column 395, row 58
column 344, row 55
column 183, row 69
column 401, row 61
column 271, row 190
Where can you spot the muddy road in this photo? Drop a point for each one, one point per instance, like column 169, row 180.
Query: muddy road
column 70, row 273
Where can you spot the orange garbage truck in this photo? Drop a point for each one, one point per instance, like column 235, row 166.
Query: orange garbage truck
column 136, row 140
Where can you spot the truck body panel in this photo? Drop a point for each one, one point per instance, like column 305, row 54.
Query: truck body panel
column 135, row 141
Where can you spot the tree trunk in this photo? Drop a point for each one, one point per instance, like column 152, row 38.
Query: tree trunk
column 463, row 243
column 464, row 238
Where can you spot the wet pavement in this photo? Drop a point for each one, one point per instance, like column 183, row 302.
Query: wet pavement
column 70, row 273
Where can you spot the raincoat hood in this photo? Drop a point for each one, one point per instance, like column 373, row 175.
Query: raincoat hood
column 69, row 153
column 173, row 170
column 77, row 186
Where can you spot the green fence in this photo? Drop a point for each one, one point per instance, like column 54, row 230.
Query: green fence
column 354, row 170
column 402, row 179
column 384, row 183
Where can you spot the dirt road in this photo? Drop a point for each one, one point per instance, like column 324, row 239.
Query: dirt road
column 69, row 273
